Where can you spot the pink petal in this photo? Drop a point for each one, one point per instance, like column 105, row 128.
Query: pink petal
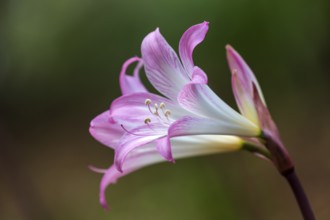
column 163, row 67
column 202, row 101
column 136, row 138
column 130, row 84
column 244, row 100
column 189, row 40
column 182, row 147
column 135, row 161
column 199, row 76
column 110, row 177
column 195, row 127
column 242, row 80
column 163, row 146
column 131, row 110
column 105, row 131
column 238, row 65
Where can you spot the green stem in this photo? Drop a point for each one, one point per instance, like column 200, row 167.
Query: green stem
column 256, row 149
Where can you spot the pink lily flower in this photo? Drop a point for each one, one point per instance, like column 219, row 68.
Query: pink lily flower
column 188, row 118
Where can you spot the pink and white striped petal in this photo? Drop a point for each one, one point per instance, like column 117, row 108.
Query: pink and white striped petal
column 162, row 65
column 202, row 126
column 131, row 84
column 182, row 147
column 164, row 148
column 189, row 40
column 198, row 76
column 242, row 81
column 106, row 131
column 136, row 138
column 202, row 101
column 244, row 100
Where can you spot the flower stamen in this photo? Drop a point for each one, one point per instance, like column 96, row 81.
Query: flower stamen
column 167, row 113
column 158, row 110
column 147, row 101
column 147, row 120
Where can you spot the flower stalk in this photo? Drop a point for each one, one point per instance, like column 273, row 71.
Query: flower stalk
column 299, row 193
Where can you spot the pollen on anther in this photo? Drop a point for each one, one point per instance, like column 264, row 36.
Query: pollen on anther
column 147, row 101
column 162, row 105
column 147, row 120
column 167, row 113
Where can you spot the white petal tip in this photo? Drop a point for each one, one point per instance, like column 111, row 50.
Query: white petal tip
column 206, row 23
column 229, row 47
column 96, row 170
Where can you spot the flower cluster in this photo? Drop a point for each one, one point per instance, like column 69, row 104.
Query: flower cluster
column 188, row 118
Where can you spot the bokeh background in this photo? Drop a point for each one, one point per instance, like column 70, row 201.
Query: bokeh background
column 59, row 66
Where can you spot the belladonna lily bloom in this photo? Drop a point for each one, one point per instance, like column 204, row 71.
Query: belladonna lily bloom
column 187, row 118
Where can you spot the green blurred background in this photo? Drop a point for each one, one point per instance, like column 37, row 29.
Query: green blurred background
column 59, row 66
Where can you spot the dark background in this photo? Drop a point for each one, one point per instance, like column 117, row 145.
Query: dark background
column 59, row 66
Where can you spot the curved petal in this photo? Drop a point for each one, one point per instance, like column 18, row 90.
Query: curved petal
column 136, row 138
column 130, row 84
column 189, row 40
column 182, row 147
column 242, row 81
column 201, row 100
column 97, row 170
column 164, row 148
column 163, row 67
column 199, row 76
column 131, row 110
column 199, row 126
column 105, row 131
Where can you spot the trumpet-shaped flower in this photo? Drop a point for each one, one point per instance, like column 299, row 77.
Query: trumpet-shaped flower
column 187, row 119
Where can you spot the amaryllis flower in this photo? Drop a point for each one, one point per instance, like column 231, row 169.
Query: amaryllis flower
column 187, row 118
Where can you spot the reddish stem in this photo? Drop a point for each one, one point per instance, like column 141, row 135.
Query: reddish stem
column 299, row 193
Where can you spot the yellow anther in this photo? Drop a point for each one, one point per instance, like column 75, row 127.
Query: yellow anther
column 162, row 105
column 147, row 120
column 147, row 101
